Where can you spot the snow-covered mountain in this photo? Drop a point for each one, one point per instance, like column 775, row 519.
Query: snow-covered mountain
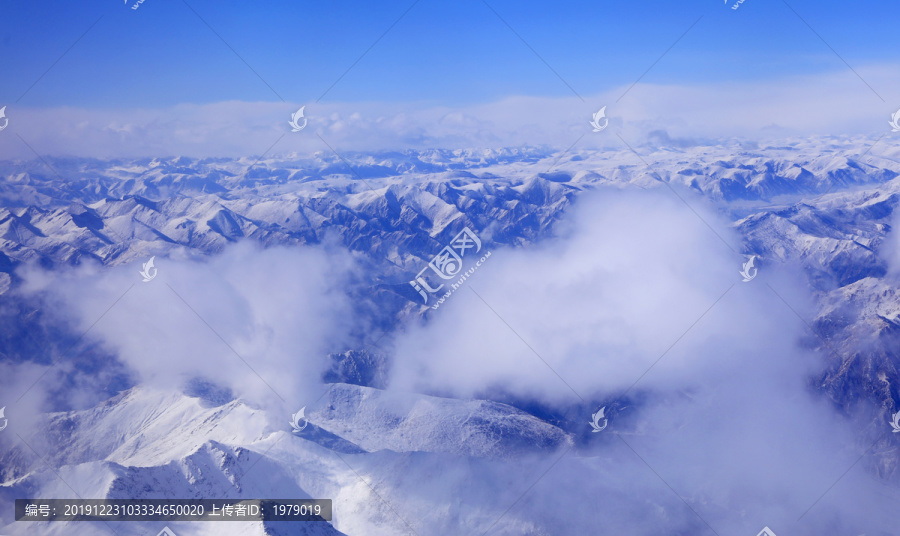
column 823, row 205
column 147, row 444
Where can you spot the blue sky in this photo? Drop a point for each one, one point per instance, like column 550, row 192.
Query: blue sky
column 446, row 53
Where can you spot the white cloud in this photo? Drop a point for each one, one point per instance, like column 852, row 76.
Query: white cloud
column 890, row 250
column 726, row 416
column 629, row 275
column 279, row 309
column 834, row 103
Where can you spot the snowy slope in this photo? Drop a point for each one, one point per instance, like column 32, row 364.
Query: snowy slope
column 152, row 444
column 406, row 422
column 817, row 204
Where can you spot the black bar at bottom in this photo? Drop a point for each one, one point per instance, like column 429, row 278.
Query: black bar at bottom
column 173, row 510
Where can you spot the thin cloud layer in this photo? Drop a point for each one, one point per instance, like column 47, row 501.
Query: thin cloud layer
column 794, row 106
column 891, row 248
column 259, row 322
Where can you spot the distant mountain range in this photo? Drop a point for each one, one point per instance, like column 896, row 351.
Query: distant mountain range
column 824, row 205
